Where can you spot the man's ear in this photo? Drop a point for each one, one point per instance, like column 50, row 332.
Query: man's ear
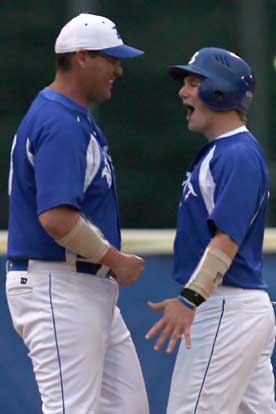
column 81, row 56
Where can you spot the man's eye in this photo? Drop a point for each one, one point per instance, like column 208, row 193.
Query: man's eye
column 194, row 83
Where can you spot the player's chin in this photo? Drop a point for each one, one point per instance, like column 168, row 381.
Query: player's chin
column 108, row 94
column 193, row 126
column 104, row 97
column 190, row 123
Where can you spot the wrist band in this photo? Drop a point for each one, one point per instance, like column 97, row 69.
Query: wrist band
column 192, row 296
column 186, row 302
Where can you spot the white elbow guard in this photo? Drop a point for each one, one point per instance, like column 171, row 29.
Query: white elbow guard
column 86, row 240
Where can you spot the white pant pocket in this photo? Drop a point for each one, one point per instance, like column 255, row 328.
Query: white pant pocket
column 19, row 290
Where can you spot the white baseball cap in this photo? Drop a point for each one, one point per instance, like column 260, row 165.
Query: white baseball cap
column 91, row 32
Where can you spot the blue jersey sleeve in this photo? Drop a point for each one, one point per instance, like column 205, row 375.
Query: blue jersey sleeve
column 59, row 161
column 239, row 191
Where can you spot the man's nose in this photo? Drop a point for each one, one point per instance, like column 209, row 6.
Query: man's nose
column 183, row 92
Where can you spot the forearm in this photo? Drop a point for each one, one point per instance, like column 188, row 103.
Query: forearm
column 225, row 244
column 86, row 240
column 73, row 232
column 59, row 221
column 210, row 271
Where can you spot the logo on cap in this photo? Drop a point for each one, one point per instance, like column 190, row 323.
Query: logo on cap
column 118, row 34
column 193, row 58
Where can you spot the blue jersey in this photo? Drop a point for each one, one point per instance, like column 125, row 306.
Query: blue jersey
column 59, row 157
column 226, row 188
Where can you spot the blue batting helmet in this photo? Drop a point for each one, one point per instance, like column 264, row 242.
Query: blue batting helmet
column 228, row 80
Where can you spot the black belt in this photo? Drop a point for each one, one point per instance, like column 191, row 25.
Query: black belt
column 81, row 267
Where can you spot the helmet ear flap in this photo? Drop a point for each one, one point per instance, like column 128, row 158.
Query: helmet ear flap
column 211, row 94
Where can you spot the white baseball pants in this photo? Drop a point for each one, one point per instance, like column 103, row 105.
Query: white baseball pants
column 83, row 357
column 228, row 369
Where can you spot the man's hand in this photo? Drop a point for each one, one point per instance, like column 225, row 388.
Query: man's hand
column 126, row 268
column 174, row 324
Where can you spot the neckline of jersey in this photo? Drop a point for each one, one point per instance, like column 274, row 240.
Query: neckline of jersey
column 232, row 132
column 64, row 100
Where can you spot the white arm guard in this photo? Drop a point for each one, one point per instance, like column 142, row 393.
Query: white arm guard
column 86, row 240
column 209, row 272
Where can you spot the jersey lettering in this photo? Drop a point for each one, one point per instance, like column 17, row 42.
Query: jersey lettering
column 106, row 172
column 187, row 186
